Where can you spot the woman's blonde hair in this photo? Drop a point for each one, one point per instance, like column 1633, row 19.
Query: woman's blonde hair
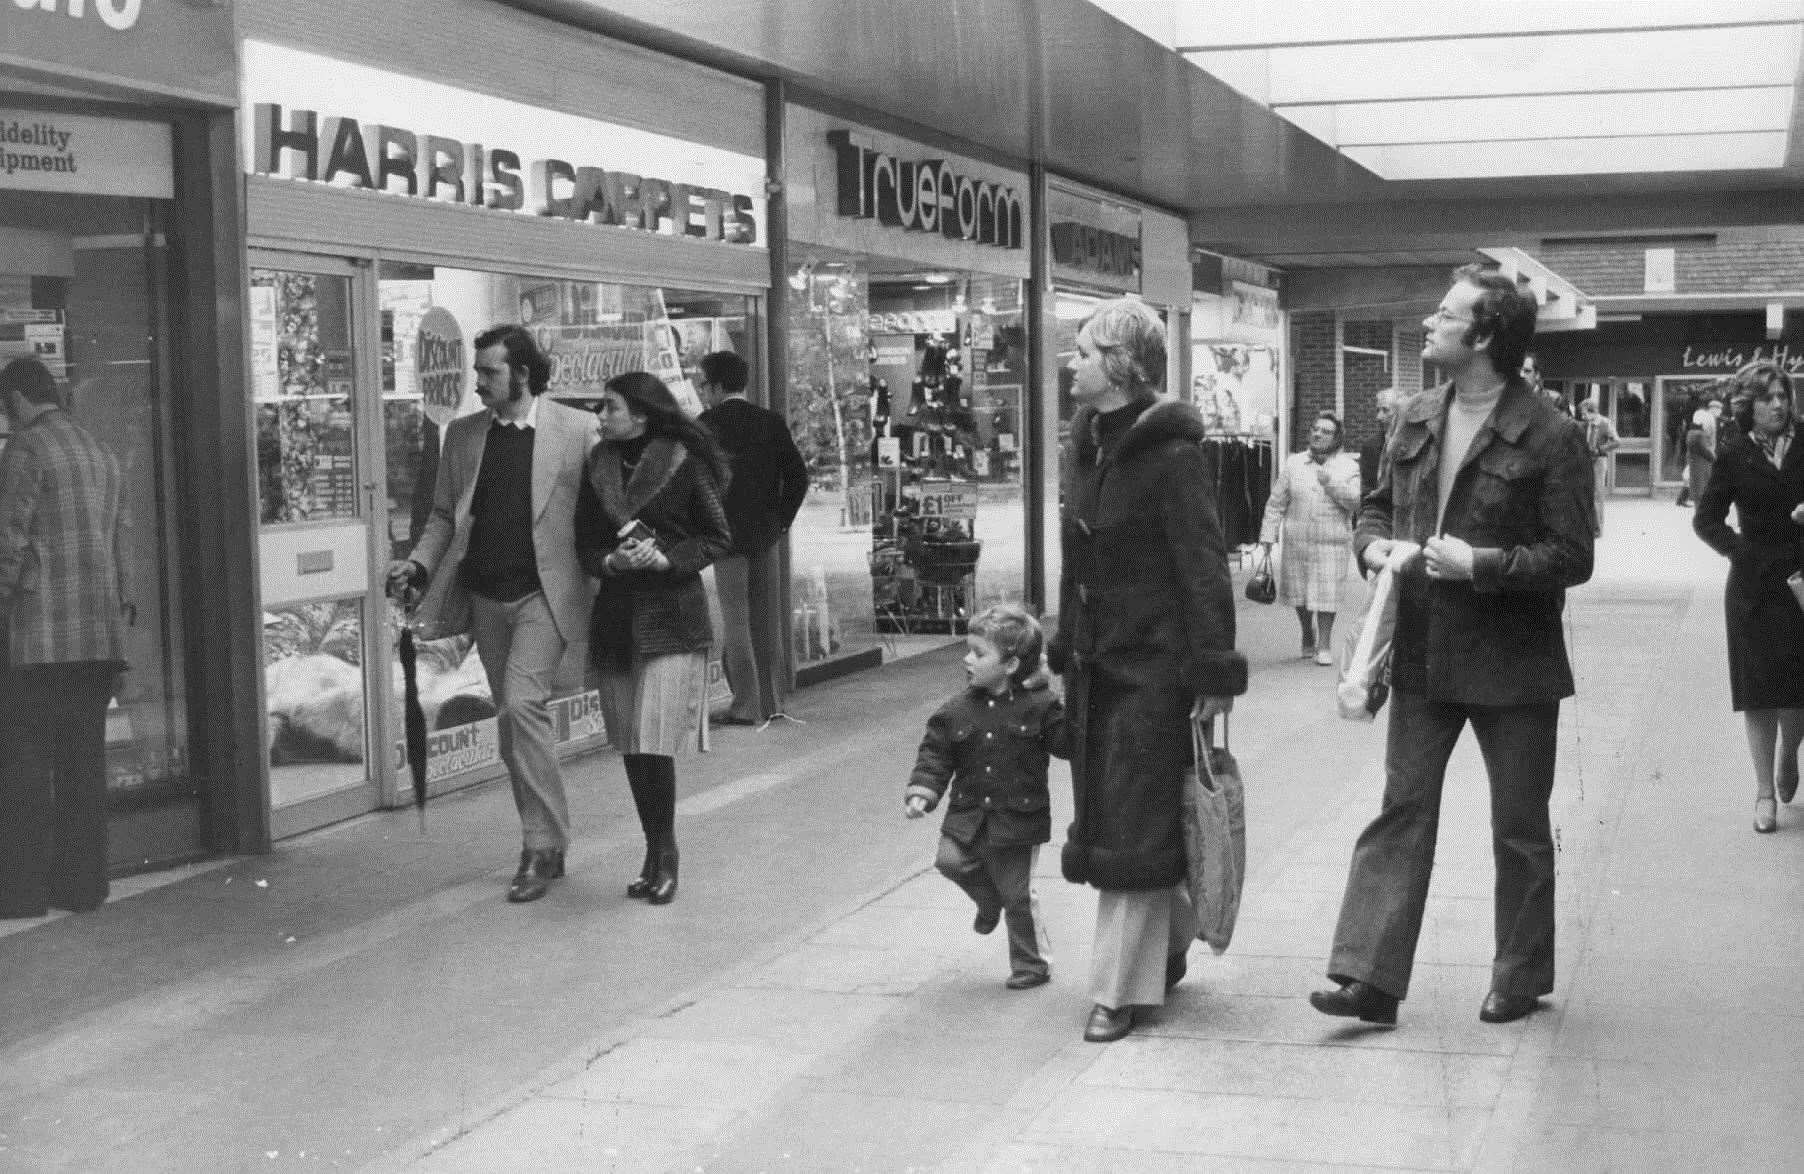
column 1130, row 338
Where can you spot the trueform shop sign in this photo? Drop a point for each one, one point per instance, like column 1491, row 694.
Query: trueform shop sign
column 925, row 195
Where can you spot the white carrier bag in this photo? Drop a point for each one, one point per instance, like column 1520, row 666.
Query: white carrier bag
column 1365, row 656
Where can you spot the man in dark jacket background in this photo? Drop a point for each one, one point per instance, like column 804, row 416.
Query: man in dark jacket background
column 768, row 484
column 1373, row 450
column 1495, row 485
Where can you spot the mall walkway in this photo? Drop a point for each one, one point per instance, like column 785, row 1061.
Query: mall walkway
column 814, row 1000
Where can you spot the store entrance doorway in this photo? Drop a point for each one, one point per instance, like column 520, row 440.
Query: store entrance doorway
column 323, row 619
column 1629, row 405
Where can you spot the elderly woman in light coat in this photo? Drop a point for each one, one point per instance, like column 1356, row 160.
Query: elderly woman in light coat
column 1314, row 503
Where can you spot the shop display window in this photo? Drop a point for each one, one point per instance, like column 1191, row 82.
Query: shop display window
column 83, row 287
column 906, row 398
column 309, row 413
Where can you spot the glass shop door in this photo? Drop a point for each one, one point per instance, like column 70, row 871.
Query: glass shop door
column 312, row 380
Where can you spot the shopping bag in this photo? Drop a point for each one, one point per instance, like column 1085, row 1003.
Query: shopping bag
column 1215, row 835
column 1365, row 658
column 1262, row 588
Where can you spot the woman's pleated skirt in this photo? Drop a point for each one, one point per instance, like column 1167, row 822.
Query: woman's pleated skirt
column 659, row 706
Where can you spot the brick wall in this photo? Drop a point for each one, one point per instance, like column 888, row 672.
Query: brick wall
column 1312, row 364
column 1409, row 361
column 1364, row 376
column 1733, row 265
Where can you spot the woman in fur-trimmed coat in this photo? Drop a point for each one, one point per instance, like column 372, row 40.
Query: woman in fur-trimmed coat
column 648, row 520
column 1146, row 640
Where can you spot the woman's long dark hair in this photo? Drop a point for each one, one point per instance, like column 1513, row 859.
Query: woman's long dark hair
column 648, row 395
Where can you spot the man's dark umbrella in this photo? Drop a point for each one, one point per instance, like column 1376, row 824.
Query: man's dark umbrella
column 413, row 717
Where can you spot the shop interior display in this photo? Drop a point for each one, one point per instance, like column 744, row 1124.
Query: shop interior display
column 923, row 551
column 906, row 399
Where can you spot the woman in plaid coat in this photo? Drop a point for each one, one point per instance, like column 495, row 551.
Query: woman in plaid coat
column 1315, row 499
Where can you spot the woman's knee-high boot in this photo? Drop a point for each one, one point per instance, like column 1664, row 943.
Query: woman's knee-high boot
column 643, row 803
column 661, row 796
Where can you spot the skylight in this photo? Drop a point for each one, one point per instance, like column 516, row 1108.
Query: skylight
column 1574, row 87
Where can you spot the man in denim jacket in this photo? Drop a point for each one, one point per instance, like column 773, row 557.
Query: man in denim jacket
column 1495, row 484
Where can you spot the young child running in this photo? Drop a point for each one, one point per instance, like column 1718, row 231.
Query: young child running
column 989, row 745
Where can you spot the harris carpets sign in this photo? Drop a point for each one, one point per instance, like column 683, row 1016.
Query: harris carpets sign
column 319, row 120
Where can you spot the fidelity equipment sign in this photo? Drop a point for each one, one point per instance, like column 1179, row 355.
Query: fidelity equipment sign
column 80, row 155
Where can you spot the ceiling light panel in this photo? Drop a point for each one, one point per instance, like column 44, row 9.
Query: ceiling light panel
column 1580, row 156
column 1495, row 66
column 1547, row 116
column 1291, row 22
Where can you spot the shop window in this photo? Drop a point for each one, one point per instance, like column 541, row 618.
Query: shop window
column 309, row 414
column 592, row 331
column 906, row 399
column 83, row 286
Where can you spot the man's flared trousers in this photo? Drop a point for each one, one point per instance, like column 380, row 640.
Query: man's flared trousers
column 1381, row 913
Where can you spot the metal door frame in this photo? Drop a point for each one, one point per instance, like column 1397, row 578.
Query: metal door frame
column 380, row 786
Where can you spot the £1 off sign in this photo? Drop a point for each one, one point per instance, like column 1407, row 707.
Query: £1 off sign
column 439, row 365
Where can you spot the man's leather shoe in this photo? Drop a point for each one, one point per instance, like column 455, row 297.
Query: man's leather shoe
column 1356, row 1000
column 1107, row 1025
column 988, row 917
column 1176, row 967
column 538, row 868
column 1501, row 1008
column 1027, row 980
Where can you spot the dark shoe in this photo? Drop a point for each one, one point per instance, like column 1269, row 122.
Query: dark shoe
column 1786, row 784
column 648, row 873
column 664, row 884
column 731, row 719
column 1176, row 967
column 987, row 919
column 1357, row 1000
column 1501, row 1008
column 1107, row 1025
column 1027, row 980
column 538, row 868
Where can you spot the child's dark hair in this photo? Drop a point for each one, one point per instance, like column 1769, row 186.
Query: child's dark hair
column 1015, row 632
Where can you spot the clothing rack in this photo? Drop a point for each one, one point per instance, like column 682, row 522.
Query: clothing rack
column 1245, row 465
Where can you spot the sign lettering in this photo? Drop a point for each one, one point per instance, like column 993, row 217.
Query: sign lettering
column 924, row 195
column 340, row 151
column 1083, row 246
column 1729, row 359
column 439, row 364
column 48, row 152
column 118, row 15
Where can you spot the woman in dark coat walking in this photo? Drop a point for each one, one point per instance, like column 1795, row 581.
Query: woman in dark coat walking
column 648, row 520
column 1146, row 644
column 1761, row 473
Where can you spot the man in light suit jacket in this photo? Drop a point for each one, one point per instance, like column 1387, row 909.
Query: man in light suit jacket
column 767, row 487
column 501, row 542
column 63, row 593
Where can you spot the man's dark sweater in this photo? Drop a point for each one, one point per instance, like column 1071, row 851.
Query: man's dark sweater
column 500, row 563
